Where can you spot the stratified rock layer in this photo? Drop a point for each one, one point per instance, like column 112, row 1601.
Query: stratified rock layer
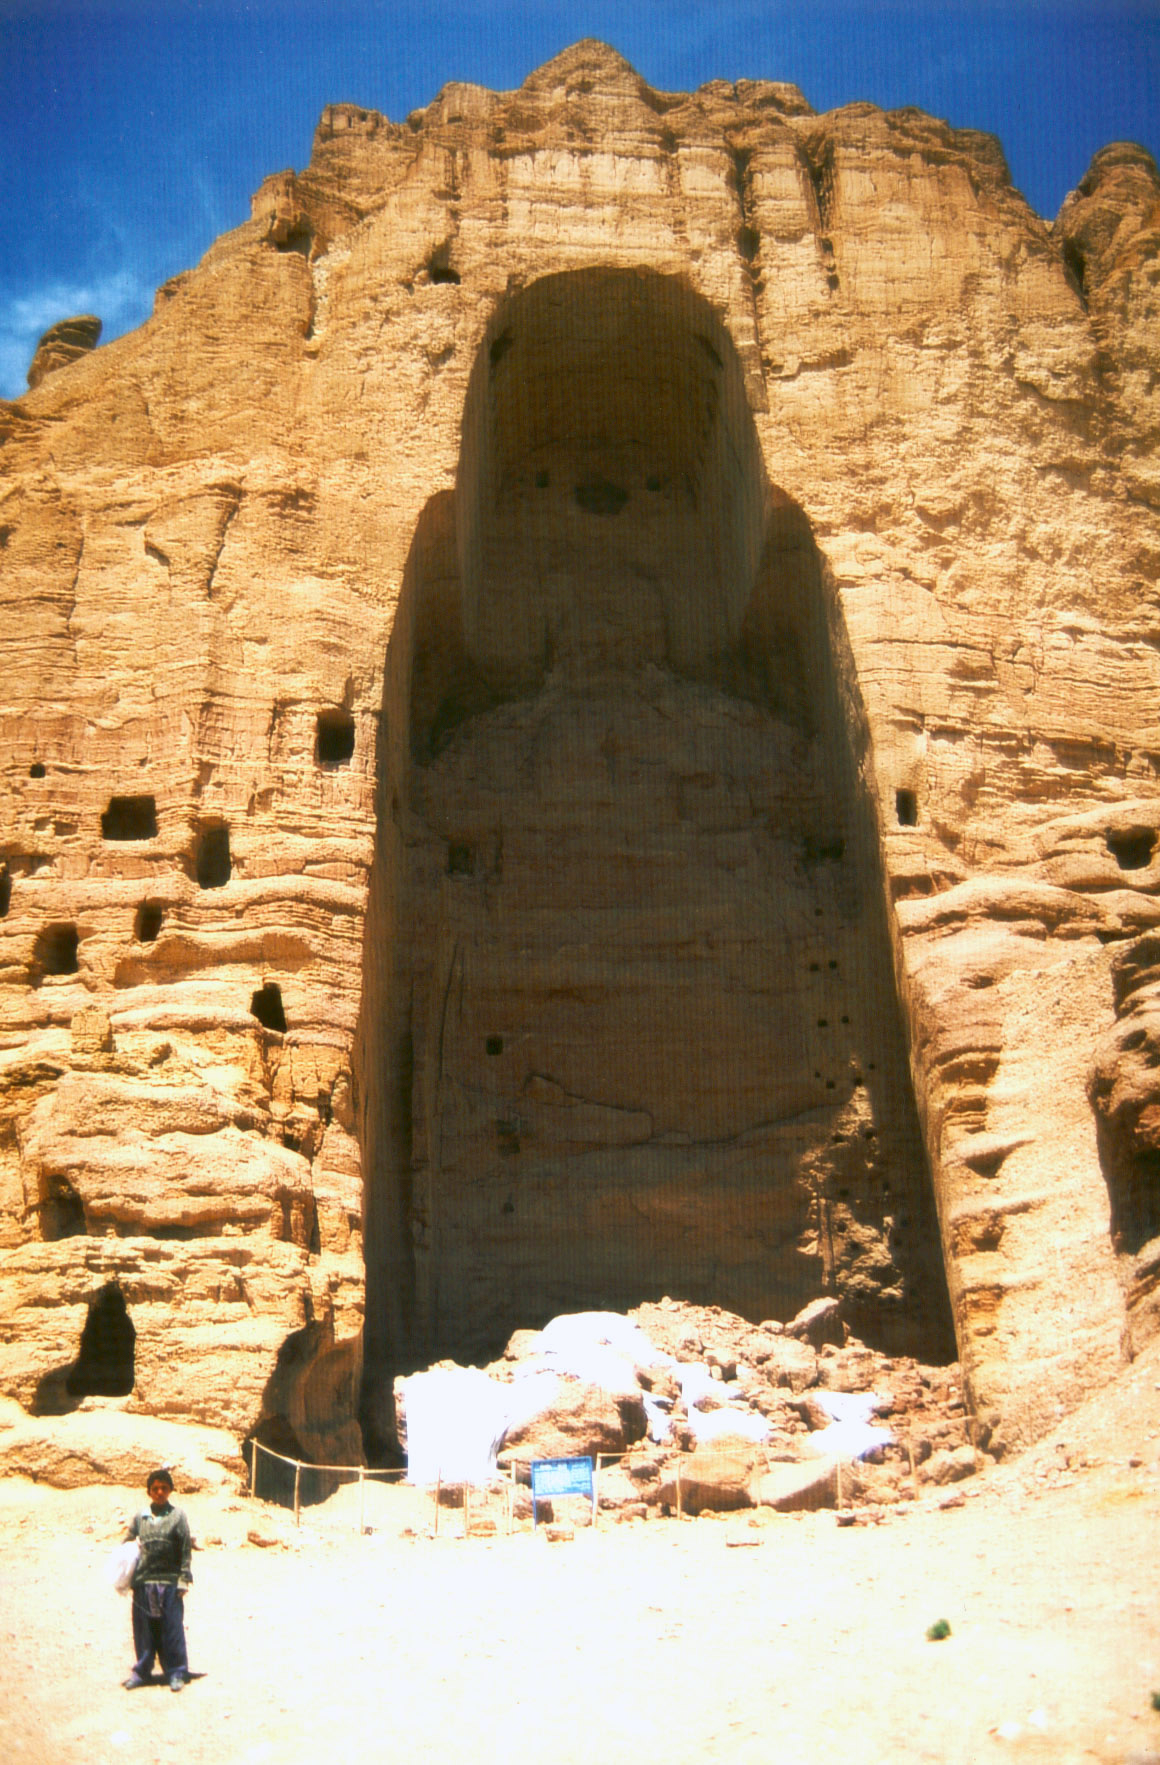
column 582, row 721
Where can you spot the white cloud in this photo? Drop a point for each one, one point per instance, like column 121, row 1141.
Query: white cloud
column 121, row 300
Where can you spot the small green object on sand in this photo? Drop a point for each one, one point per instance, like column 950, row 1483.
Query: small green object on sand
column 938, row 1630
column 1156, row 1700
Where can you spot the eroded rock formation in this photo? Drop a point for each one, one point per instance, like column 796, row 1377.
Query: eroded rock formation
column 581, row 722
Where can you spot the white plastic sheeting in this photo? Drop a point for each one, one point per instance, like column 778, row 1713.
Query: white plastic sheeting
column 850, row 1434
column 711, row 1425
column 457, row 1417
column 456, row 1421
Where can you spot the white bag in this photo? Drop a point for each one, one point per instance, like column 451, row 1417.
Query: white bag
column 122, row 1563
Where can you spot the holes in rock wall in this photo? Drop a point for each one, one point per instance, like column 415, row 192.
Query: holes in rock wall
column 460, row 860
column 906, row 808
column 36, row 770
column 211, row 855
column 334, row 739
column 266, row 1006
column 5, row 890
column 55, row 951
column 1075, row 266
column 439, row 269
column 62, row 1212
column 499, row 348
column 105, row 1365
column 748, row 243
column 597, row 496
column 493, row 1045
column 130, row 818
column 147, row 921
column 1132, row 849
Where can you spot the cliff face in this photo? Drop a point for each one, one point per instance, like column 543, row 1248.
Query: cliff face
column 582, row 720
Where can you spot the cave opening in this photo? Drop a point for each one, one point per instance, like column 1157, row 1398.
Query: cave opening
column 212, row 863
column 130, row 818
column 627, row 923
column 334, row 737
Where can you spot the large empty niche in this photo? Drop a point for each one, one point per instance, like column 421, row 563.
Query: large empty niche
column 105, row 1362
column 629, row 1020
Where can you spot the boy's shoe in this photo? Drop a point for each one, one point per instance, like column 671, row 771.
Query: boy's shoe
column 177, row 1682
column 133, row 1682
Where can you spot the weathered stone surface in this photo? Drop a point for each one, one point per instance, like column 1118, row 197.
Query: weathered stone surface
column 792, row 1488
column 581, row 1421
column 583, row 698
column 712, row 1479
column 63, row 343
column 100, row 1445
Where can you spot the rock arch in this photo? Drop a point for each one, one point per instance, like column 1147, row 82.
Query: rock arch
column 629, row 1017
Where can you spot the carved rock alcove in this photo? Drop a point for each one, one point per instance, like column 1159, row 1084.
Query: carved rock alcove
column 645, row 1039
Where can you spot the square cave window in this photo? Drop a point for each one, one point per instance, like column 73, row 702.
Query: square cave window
column 494, row 1045
column 334, row 742
column 906, row 808
column 147, row 922
column 55, row 950
column 266, row 1006
column 36, row 770
column 460, row 860
column 211, row 855
column 130, row 818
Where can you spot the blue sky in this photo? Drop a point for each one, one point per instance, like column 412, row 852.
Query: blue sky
column 132, row 132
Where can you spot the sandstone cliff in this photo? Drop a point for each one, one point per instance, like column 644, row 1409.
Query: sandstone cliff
column 581, row 721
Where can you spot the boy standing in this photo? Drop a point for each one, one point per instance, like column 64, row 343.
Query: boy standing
column 160, row 1581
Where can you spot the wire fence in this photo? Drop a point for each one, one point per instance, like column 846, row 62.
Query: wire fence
column 354, row 1497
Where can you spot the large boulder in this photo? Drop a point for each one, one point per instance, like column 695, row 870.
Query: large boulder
column 578, row 1420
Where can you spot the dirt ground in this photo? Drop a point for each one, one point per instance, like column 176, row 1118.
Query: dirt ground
column 746, row 1638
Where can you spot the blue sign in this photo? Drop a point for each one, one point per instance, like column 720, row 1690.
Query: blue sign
column 561, row 1477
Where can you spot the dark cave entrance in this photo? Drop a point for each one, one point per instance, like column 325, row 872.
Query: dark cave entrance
column 630, row 1023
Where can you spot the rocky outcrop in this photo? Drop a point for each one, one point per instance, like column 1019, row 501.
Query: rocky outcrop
column 63, row 343
column 582, row 700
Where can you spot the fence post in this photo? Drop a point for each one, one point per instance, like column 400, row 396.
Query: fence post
column 297, row 1483
column 361, row 1500
column 596, row 1492
column 253, row 1470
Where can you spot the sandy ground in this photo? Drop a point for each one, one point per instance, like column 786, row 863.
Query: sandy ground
column 741, row 1639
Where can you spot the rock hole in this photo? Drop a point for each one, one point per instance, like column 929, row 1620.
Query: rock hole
column 1075, row 268
column 1132, row 849
column 543, row 479
column 597, row 496
column 460, row 860
column 5, row 891
column 439, row 269
column 104, row 1366
column 211, row 855
column 494, row 1045
column 62, row 1212
column 906, row 808
column 130, row 818
column 147, row 922
column 55, row 951
column 36, row 770
column 748, row 243
column 334, row 738
column 266, row 1005
column 499, row 348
